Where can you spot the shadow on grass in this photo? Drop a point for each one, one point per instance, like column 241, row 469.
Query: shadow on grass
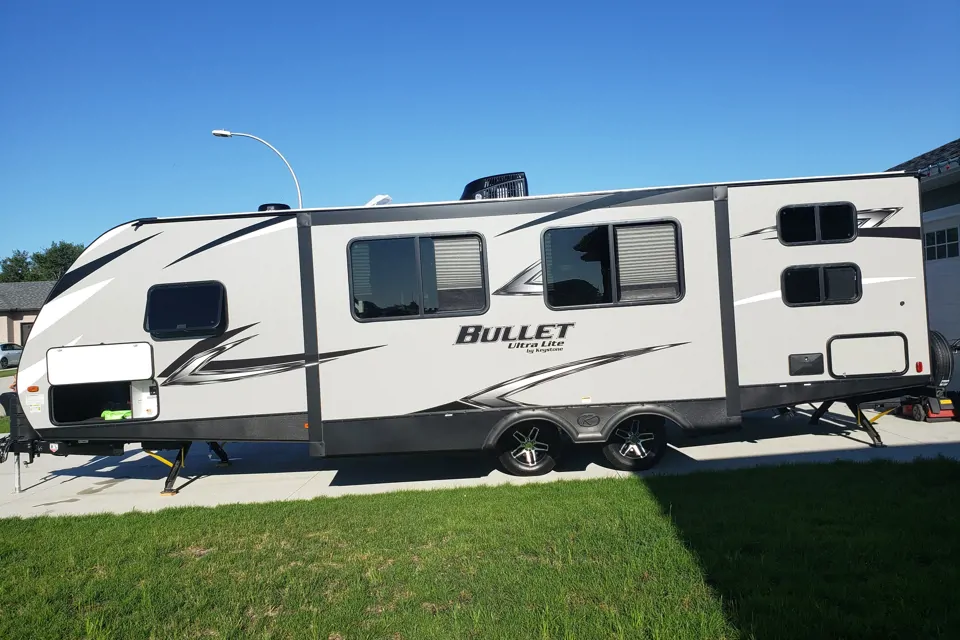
column 864, row 551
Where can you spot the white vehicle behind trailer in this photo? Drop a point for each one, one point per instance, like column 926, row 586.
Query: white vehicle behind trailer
column 516, row 324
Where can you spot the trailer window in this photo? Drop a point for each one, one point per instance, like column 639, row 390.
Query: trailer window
column 186, row 310
column 820, row 223
column 821, row 284
column 578, row 264
column 385, row 283
column 647, row 262
column 419, row 276
column 452, row 273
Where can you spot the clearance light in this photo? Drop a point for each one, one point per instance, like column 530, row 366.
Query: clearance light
column 919, row 367
column 33, row 389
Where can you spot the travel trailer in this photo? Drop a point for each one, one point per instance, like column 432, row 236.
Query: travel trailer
column 502, row 321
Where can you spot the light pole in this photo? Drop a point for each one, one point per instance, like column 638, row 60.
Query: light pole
column 221, row 133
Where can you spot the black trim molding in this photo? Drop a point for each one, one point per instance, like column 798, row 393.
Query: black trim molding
column 285, row 427
column 772, row 396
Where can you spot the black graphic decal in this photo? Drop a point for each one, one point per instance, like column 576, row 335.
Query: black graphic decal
column 199, row 365
column 866, row 219
column 231, row 236
column 498, row 396
column 654, row 196
column 74, row 276
column 903, row 233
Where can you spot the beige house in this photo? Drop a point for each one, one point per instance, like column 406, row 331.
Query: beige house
column 19, row 304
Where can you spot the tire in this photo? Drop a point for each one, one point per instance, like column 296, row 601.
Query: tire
column 918, row 412
column 941, row 367
column 4, row 363
column 637, row 443
column 529, row 448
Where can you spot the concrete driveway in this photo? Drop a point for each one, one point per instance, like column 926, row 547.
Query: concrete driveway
column 265, row 472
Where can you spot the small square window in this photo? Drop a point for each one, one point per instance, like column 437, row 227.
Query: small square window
column 838, row 222
column 185, row 310
column 798, row 225
column 841, row 284
column 801, row 285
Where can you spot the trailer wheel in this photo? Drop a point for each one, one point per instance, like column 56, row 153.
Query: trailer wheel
column 637, row 443
column 529, row 448
column 918, row 413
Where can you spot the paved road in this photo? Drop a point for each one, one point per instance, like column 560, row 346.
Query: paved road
column 267, row 472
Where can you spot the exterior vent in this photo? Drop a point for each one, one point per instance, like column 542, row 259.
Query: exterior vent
column 273, row 206
column 504, row 185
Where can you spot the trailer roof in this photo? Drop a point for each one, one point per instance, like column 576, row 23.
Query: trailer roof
column 396, row 205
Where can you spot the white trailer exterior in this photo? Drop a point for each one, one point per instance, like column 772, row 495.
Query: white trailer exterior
column 467, row 324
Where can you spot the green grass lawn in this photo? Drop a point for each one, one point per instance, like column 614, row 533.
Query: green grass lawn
column 5, row 424
column 838, row 551
column 7, row 372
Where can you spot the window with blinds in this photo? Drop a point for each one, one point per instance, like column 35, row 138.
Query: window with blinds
column 647, row 265
column 417, row 276
column 612, row 264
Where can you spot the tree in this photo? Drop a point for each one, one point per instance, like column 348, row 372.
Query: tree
column 52, row 263
column 49, row 264
column 16, row 268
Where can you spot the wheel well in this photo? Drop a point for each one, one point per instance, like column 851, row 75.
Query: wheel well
column 542, row 417
column 671, row 420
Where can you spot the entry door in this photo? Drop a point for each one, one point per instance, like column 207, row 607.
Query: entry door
column 25, row 328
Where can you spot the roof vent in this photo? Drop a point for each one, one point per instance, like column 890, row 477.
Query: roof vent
column 273, row 206
column 503, row 185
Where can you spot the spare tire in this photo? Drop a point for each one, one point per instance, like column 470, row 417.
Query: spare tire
column 941, row 356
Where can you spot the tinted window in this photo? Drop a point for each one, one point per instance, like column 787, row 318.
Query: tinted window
column 452, row 274
column 807, row 224
column 186, row 310
column 798, row 224
column 647, row 262
column 391, row 279
column 385, row 281
column 801, row 285
column 577, row 266
column 837, row 222
column 841, row 284
column 823, row 284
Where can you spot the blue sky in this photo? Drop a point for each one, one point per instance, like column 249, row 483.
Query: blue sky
column 108, row 106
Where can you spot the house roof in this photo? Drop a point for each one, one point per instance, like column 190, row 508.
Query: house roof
column 24, row 296
column 949, row 151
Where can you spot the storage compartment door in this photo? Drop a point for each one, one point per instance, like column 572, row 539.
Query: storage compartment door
column 100, row 363
column 877, row 354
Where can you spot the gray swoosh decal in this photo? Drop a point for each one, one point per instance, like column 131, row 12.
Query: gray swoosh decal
column 200, row 366
column 498, row 396
column 528, row 282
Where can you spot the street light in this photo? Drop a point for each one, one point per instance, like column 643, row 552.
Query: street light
column 221, row 133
